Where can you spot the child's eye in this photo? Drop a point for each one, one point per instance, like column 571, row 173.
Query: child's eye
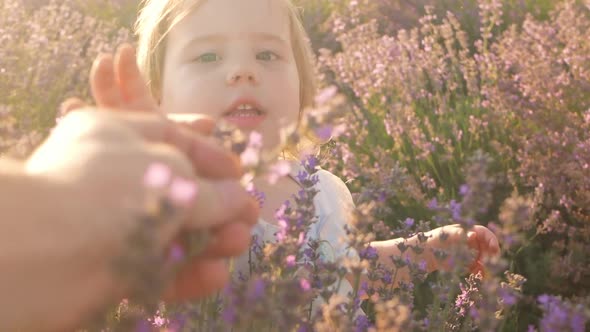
column 208, row 57
column 267, row 56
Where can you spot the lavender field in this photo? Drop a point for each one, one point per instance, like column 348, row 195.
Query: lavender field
column 457, row 112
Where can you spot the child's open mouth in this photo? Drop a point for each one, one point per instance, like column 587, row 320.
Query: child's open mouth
column 245, row 115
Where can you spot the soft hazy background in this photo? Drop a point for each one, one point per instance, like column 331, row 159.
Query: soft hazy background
column 480, row 107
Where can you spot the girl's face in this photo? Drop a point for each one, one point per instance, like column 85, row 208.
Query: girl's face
column 233, row 60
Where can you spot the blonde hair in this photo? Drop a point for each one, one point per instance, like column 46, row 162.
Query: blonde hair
column 158, row 17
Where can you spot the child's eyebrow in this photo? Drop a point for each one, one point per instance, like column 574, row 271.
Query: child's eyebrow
column 218, row 38
column 270, row 37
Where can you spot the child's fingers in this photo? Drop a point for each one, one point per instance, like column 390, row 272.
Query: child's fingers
column 487, row 241
column 474, row 243
column 473, row 240
column 493, row 245
column 133, row 88
column 103, row 84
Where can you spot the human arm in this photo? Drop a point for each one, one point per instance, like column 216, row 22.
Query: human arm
column 67, row 212
column 478, row 238
column 50, row 262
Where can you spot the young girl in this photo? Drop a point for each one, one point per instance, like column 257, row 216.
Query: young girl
column 248, row 63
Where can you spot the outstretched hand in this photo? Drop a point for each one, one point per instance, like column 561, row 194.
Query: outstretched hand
column 480, row 240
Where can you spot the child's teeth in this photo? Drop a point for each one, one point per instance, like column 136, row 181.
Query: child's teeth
column 245, row 113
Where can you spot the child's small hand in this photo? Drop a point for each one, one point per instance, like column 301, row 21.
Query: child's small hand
column 479, row 238
column 117, row 85
column 485, row 242
column 116, row 82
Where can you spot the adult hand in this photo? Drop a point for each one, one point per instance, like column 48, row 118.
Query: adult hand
column 118, row 86
column 99, row 159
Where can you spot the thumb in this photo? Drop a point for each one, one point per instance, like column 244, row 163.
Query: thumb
column 473, row 241
column 197, row 123
column 474, row 244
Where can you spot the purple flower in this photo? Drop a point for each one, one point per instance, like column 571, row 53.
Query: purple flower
column 242, row 277
column 363, row 289
column 250, row 156
column 159, row 321
column 290, row 260
column 326, row 94
column 301, row 238
column 157, row 176
column 324, row 133
column 304, row 328
column 387, row 278
column 301, row 176
column 455, row 209
column 508, row 299
column 474, row 312
column 308, row 253
column 310, row 164
column 433, row 204
column 463, row 301
column 369, row 253
column 463, row 190
column 176, row 254
column 560, row 315
column 544, row 299
column 422, row 265
column 409, row 222
column 255, row 139
column 362, row 323
column 258, row 289
column 229, row 315
column 281, row 234
column 183, row 192
column 143, row 326
column 177, row 323
column 317, row 283
column 278, row 170
column 304, row 284
column 260, row 196
column 280, row 214
column 578, row 322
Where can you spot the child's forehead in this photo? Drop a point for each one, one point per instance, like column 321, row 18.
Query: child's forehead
column 231, row 16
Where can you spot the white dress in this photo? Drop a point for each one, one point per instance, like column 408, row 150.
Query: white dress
column 332, row 203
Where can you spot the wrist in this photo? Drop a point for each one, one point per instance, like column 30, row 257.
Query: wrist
column 47, row 268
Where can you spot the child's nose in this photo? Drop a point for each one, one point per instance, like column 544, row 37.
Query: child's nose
column 242, row 75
